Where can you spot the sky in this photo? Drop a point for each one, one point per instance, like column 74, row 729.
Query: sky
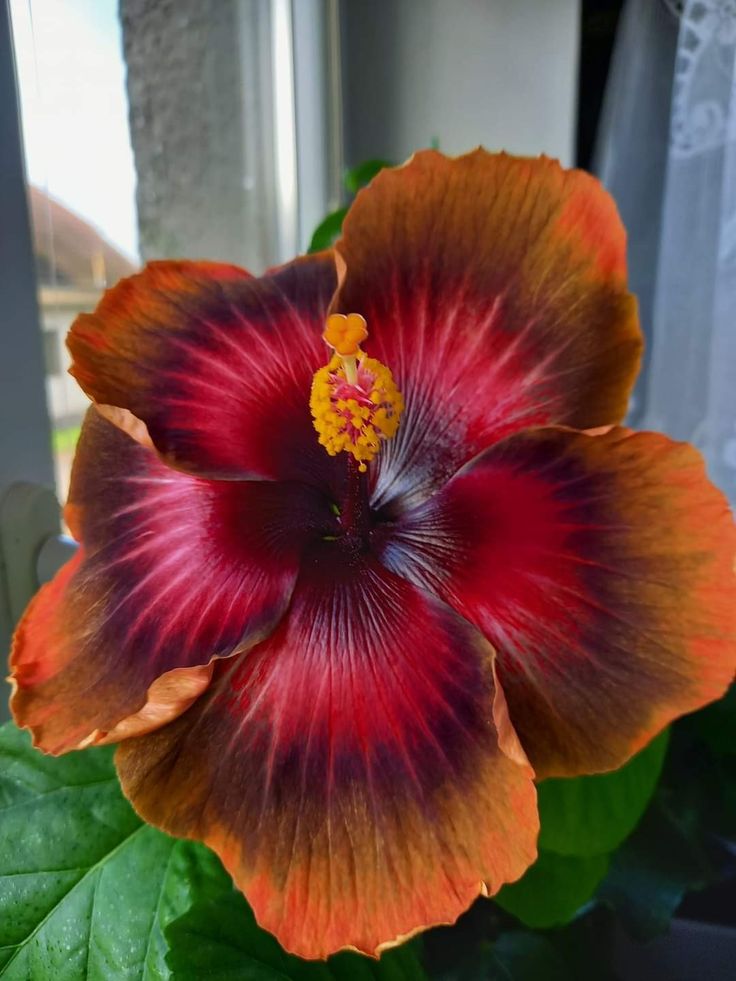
column 74, row 111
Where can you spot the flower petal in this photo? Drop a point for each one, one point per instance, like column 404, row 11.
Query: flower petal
column 602, row 570
column 347, row 771
column 173, row 571
column 495, row 290
column 216, row 364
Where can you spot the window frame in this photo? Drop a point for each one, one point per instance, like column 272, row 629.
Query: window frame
column 307, row 90
column 29, row 514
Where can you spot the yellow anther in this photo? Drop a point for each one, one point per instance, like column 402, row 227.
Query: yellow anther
column 355, row 403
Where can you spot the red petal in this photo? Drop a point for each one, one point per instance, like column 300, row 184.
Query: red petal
column 218, row 365
column 348, row 770
column 173, row 571
column 495, row 289
column 601, row 569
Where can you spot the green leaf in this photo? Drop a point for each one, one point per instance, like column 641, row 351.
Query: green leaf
column 584, row 945
column 64, row 440
column 553, row 890
column 522, row 956
column 363, row 174
column 650, row 874
column 677, row 847
column 716, row 724
column 463, row 950
column 86, row 889
column 328, row 231
column 219, row 939
column 588, row 816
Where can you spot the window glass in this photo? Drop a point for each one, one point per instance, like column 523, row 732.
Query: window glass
column 81, row 178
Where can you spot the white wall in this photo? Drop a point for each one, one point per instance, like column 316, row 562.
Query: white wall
column 501, row 73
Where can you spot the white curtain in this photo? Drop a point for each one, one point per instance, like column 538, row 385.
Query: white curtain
column 667, row 151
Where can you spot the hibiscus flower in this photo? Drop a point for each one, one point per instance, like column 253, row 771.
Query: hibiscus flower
column 363, row 552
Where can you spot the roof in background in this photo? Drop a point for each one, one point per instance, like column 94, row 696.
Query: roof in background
column 69, row 251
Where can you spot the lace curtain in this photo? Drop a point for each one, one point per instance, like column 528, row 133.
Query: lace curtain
column 667, row 151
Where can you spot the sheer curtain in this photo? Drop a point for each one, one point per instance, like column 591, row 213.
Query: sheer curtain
column 667, row 151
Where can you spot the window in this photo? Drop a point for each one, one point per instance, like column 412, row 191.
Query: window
column 152, row 134
column 51, row 354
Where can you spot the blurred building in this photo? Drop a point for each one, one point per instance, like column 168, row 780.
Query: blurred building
column 75, row 264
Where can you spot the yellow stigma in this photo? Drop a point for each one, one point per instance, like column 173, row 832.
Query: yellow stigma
column 345, row 333
column 354, row 401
